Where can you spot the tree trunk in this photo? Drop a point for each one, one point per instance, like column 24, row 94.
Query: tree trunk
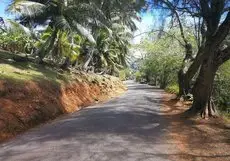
column 86, row 64
column 163, row 82
column 183, row 81
column 180, row 83
column 66, row 64
column 202, row 90
column 184, row 84
column 47, row 46
column 211, row 44
column 147, row 77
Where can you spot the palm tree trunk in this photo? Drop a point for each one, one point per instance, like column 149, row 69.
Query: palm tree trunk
column 43, row 51
column 85, row 66
column 66, row 64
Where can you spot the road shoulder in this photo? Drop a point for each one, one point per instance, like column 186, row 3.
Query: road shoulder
column 197, row 139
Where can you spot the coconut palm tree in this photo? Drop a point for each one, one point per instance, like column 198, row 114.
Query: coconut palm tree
column 111, row 50
column 86, row 18
column 64, row 15
column 15, row 37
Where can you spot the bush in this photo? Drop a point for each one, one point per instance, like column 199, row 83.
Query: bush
column 172, row 88
column 163, row 60
column 124, row 74
column 138, row 76
column 222, row 87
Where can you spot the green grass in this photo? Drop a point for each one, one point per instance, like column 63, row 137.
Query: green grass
column 25, row 71
column 20, row 72
column 4, row 55
column 226, row 116
column 173, row 88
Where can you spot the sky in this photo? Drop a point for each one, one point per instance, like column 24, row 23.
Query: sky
column 3, row 5
column 144, row 26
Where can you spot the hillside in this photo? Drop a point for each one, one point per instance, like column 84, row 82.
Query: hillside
column 31, row 94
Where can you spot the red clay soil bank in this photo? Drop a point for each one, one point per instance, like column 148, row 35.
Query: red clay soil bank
column 26, row 104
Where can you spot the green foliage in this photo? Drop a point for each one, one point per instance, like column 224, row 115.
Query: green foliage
column 21, row 71
column 16, row 42
column 162, row 61
column 112, row 49
column 222, row 86
column 15, row 38
column 172, row 88
column 124, row 74
column 85, row 32
column 138, row 76
column 63, row 46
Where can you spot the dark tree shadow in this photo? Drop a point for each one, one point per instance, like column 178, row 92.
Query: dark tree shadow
column 132, row 126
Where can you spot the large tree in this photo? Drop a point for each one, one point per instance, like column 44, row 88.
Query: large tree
column 212, row 22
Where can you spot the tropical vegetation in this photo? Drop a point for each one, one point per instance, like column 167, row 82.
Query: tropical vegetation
column 88, row 35
column 202, row 29
column 187, row 53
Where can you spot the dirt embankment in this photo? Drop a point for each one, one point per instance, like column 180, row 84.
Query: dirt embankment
column 26, row 104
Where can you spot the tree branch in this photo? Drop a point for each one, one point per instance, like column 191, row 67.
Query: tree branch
column 223, row 29
column 170, row 35
column 205, row 12
column 173, row 10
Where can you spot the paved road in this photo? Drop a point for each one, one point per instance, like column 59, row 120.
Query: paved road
column 128, row 128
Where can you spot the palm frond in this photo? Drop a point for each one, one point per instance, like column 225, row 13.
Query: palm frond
column 15, row 27
column 84, row 32
column 26, row 8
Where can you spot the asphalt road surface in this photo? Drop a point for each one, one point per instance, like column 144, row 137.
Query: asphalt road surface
column 128, row 128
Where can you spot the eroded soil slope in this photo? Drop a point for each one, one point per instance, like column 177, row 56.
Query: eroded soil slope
column 27, row 100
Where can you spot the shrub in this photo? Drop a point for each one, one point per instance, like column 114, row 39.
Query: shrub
column 138, row 76
column 222, row 87
column 172, row 88
column 124, row 74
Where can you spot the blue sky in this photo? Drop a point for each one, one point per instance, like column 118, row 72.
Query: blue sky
column 3, row 5
column 145, row 25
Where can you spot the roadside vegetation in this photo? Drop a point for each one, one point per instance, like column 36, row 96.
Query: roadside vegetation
column 86, row 35
column 59, row 56
column 31, row 94
column 53, row 41
column 189, row 54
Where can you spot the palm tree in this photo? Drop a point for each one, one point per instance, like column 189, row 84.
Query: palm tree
column 15, row 37
column 64, row 16
column 85, row 17
column 111, row 49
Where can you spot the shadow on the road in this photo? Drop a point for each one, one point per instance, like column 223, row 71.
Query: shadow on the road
column 115, row 117
column 142, row 87
column 134, row 118
column 127, row 125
